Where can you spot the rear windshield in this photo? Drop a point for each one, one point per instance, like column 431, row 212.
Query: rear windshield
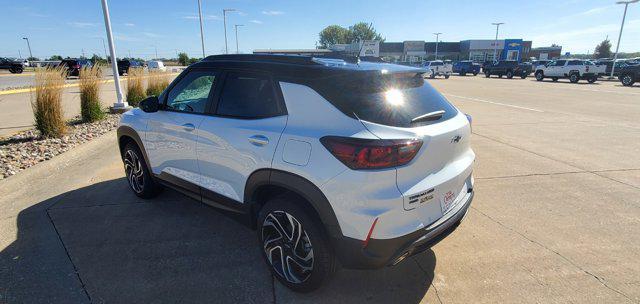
column 392, row 100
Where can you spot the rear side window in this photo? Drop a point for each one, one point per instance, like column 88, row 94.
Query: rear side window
column 575, row 62
column 248, row 96
column 390, row 100
column 560, row 62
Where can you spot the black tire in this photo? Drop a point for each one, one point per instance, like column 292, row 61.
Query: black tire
column 574, row 78
column 554, row 79
column 627, row 80
column 138, row 175
column 463, row 74
column 592, row 79
column 433, row 74
column 475, row 73
column 539, row 76
column 509, row 74
column 524, row 76
column 313, row 243
column 487, row 74
column 499, row 75
column 446, row 76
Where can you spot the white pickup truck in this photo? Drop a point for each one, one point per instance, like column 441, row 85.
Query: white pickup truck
column 573, row 69
column 438, row 68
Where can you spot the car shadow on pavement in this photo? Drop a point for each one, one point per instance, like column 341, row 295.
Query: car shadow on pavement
column 101, row 243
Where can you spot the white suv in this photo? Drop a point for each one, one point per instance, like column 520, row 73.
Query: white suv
column 573, row 69
column 333, row 162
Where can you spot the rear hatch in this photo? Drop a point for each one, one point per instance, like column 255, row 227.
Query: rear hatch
column 404, row 106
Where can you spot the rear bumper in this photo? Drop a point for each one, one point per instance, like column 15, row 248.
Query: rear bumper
column 388, row 252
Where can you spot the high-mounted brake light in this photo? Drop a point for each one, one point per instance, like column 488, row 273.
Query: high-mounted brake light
column 362, row 154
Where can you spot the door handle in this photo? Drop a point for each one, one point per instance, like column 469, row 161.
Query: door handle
column 188, row 127
column 259, row 140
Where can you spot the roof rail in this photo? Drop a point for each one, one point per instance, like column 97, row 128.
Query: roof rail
column 273, row 58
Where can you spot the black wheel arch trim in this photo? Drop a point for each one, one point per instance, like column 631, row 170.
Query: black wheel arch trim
column 298, row 185
column 126, row 131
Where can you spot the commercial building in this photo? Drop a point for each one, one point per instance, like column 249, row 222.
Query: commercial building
column 417, row 51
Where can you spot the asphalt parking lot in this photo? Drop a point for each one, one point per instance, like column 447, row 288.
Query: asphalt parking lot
column 556, row 218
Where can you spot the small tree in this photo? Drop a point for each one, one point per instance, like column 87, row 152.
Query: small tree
column 363, row 31
column 603, row 50
column 333, row 34
column 183, row 59
column 55, row 57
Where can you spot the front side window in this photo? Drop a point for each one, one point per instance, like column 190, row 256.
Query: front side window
column 192, row 92
column 248, row 96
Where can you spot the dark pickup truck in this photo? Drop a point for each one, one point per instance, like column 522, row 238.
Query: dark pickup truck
column 11, row 65
column 465, row 67
column 125, row 64
column 507, row 68
column 629, row 74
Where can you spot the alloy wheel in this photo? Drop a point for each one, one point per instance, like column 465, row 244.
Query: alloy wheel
column 626, row 80
column 287, row 247
column 134, row 171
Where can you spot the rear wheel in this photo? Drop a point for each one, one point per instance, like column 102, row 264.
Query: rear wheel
column 294, row 245
column 523, row 76
column 463, row 74
column 499, row 75
column 446, row 76
column 509, row 74
column 554, row 79
column 539, row 76
column 627, row 80
column 574, row 78
column 592, row 79
column 138, row 175
column 475, row 73
column 487, row 74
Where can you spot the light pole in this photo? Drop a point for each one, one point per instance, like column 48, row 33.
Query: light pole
column 224, row 20
column 29, row 46
column 236, row 26
column 105, row 50
column 615, row 57
column 201, row 29
column 437, row 39
column 495, row 43
column 121, row 105
column 156, row 48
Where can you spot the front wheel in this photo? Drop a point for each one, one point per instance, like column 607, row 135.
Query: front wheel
column 294, row 245
column 554, row 79
column 539, row 76
column 509, row 74
column 446, row 76
column 574, row 78
column 475, row 73
column 138, row 175
column 627, row 80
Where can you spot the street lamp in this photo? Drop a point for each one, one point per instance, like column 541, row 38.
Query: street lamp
column 236, row 26
column 201, row 30
column 120, row 105
column 495, row 44
column 224, row 17
column 29, row 46
column 615, row 57
column 437, row 36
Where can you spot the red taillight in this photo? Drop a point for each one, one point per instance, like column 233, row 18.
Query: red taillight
column 77, row 66
column 359, row 154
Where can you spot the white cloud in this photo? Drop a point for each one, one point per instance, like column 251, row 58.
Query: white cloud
column 206, row 17
column 241, row 13
column 255, row 21
column 272, row 13
column 82, row 24
column 129, row 24
column 151, row 35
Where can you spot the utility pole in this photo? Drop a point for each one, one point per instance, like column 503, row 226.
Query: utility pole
column 121, row 105
column 19, row 54
column 29, row 46
column 495, row 43
column 615, row 57
column 201, row 29
column 224, row 20
column 236, row 26
column 106, row 57
column 437, row 39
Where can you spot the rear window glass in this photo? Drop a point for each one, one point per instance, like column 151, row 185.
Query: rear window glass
column 391, row 100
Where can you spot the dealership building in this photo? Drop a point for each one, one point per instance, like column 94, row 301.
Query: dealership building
column 414, row 51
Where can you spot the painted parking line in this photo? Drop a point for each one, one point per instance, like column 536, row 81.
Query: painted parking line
column 14, row 75
column 494, row 103
column 68, row 85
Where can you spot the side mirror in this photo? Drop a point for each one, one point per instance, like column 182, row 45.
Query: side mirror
column 150, row 104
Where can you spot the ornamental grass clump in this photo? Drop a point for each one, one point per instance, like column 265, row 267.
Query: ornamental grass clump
column 157, row 82
column 47, row 104
column 135, row 86
column 90, row 106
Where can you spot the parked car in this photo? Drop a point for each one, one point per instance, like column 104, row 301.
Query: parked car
column 156, row 65
column 508, row 68
column 437, row 68
column 354, row 164
column 466, row 67
column 11, row 65
column 629, row 74
column 572, row 69
column 74, row 65
column 125, row 64
column 526, row 68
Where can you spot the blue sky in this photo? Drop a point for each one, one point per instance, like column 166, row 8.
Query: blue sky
column 66, row 27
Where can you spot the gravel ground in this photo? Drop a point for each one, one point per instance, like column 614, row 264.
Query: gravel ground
column 27, row 148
